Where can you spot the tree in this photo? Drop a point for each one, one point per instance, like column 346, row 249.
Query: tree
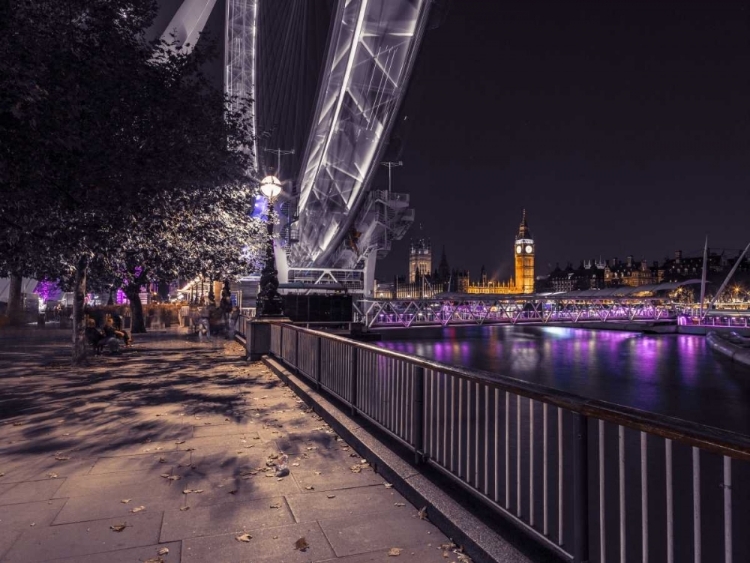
column 115, row 138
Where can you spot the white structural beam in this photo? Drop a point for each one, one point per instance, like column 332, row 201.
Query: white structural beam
column 240, row 44
column 372, row 47
column 240, row 50
column 188, row 22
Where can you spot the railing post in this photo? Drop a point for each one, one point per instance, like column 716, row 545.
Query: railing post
column 296, row 352
column 318, row 361
column 353, row 382
column 417, row 415
column 581, row 490
column 281, row 342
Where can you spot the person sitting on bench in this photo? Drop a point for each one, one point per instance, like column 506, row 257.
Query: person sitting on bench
column 95, row 337
column 111, row 332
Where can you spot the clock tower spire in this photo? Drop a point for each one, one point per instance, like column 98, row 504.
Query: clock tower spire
column 524, row 251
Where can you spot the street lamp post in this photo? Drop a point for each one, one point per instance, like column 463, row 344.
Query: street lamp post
column 269, row 300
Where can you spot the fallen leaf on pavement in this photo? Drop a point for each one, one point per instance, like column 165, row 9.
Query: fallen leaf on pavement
column 276, row 505
column 163, row 551
column 399, row 504
column 184, row 508
column 62, row 457
column 394, row 552
column 448, row 546
column 310, row 488
column 125, row 500
column 388, row 486
column 180, row 442
column 244, row 537
column 331, row 496
column 301, row 544
column 162, row 460
column 52, row 475
column 188, row 491
column 422, row 513
column 138, row 509
column 295, row 465
column 317, row 473
column 118, row 527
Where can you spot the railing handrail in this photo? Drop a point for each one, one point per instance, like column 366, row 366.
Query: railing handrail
column 709, row 438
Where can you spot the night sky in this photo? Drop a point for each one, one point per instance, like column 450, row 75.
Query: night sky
column 622, row 128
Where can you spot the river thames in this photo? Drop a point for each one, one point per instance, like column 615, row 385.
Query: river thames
column 675, row 375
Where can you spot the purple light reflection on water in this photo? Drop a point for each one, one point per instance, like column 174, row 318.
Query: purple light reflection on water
column 675, row 375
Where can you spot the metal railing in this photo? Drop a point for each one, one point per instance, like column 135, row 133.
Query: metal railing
column 592, row 481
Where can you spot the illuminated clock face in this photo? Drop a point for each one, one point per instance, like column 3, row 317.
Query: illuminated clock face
column 518, row 249
column 528, row 249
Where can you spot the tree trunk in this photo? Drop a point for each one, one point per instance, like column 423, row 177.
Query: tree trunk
column 15, row 313
column 136, row 309
column 79, row 324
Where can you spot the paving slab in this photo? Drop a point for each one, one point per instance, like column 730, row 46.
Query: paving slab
column 43, row 468
column 98, row 507
column 7, row 537
column 238, row 488
column 275, row 545
column 141, row 462
column 380, row 531
column 31, row 491
column 246, row 427
column 361, row 500
column 410, row 554
column 30, row 514
column 84, row 538
column 131, row 555
column 103, row 483
column 225, row 518
column 334, row 479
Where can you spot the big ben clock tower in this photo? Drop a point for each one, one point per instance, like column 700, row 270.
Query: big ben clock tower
column 524, row 251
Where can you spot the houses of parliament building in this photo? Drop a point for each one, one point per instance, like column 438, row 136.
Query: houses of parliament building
column 424, row 283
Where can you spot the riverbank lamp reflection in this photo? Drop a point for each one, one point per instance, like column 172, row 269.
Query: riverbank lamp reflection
column 269, row 300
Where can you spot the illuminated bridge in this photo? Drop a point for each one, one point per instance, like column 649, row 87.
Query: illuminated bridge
column 327, row 78
column 646, row 303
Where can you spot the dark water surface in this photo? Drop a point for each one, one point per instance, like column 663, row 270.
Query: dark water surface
column 676, row 375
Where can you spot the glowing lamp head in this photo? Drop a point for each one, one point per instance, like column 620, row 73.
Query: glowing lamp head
column 271, row 187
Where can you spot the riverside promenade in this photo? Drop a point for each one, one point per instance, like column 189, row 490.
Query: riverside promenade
column 165, row 453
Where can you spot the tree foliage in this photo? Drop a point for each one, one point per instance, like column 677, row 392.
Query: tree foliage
column 119, row 160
